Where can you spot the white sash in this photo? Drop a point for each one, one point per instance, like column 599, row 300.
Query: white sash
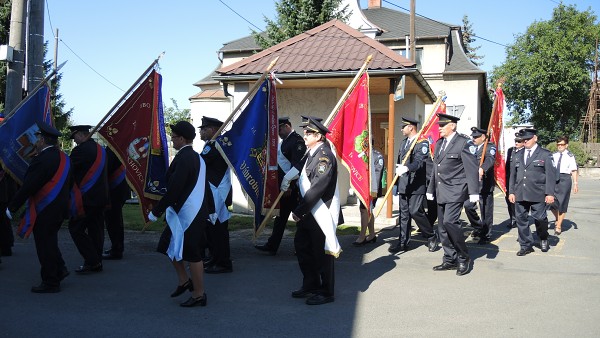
column 283, row 162
column 327, row 218
column 220, row 195
column 179, row 222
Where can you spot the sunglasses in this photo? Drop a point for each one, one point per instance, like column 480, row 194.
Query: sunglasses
column 561, row 144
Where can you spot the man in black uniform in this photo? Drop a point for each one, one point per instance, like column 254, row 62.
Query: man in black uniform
column 483, row 226
column 88, row 160
column 454, row 180
column 411, row 188
column 510, row 154
column 219, row 178
column 46, row 187
column 532, row 181
column 119, row 192
column 317, row 215
column 290, row 153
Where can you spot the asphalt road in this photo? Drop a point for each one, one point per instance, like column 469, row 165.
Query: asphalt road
column 553, row 294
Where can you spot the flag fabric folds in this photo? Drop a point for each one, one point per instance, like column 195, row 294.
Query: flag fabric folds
column 430, row 130
column 17, row 132
column 136, row 134
column 495, row 131
column 350, row 134
column 245, row 148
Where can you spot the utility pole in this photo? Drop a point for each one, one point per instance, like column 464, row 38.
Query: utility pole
column 413, row 50
column 16, row 40
column 35, row 44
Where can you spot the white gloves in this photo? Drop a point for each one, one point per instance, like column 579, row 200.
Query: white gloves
column 401, row 169
column 8, row 214
column 151, row 217
column 473, row 198
column 291, row 175
column 429, row 196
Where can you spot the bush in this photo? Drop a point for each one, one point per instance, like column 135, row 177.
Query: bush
column 577, row 148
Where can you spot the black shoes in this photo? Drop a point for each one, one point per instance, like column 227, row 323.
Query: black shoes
column 64, row 273
column 85, row 269
column 483, row 240
column 445, row 266
column 463, row 268
column 365, row 241
column 181, row 288
column 398, row 248
column 432, row 245
column 45, row 288
column 110, row 255
column 303, row 293
column 544, row 245
column 267, row 249
column 218, row 269
column 525, row 251
column 201, row 301
column 319, row 299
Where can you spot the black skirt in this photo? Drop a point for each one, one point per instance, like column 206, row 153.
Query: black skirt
column 562, row 191
column 194, row 241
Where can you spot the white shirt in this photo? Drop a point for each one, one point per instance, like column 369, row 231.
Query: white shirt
column 568, row 163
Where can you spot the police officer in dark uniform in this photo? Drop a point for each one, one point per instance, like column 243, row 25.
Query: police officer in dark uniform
column 454, row 180
column 8, row 187
column 532, row 181
column 88, row 163
column 49, row 170
column 119, row 193
column 219, row 178
column 510, row 154
column 483, row 226
column 317, row 215
column 412, row 187
column 289, row 156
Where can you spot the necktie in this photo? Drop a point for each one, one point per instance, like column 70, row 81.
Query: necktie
column 558, row 164
column 443, row 146
column 406, row 144
column 528, row 156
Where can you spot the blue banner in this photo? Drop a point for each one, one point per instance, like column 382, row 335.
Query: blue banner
column 244, row 147
column 17, row 133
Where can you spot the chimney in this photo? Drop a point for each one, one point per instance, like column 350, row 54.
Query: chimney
column 374, row 4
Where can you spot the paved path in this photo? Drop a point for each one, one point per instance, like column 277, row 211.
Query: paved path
column 377, row 294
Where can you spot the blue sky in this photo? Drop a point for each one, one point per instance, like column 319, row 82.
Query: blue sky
column 109, row 43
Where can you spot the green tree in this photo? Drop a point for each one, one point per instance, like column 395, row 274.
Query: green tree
column 4, row 33
column 468, row 38
column 547, row 72
column 174, row 114
column 297, row 16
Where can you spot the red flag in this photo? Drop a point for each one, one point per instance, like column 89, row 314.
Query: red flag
column 495, row 131
column 430, row 131
column 136, row 134
column 271, row 180
column 350, row 134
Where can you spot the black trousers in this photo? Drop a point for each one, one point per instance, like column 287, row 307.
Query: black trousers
column 48, row 252
column 218, row 243
column 538, row 212
column 316, row 266
column 114, row 227
column 7, row 237
column 511, row 210
column 88, row 235
column 411, row 207
column 451, row 234
column 286, row 205
column 484, row 223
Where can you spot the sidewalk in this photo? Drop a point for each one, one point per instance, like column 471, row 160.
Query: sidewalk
column 551, row 294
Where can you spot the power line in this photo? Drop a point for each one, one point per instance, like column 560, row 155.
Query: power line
column 445, row 24
column 238, row 14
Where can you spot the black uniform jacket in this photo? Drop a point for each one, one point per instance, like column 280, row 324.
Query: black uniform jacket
column 414, row 181
column 182, row 176
column 533, row 181
column 293, row 148
column 455, row 171
column 216, row 168
column 82, row 159
column 321, row 171
column 488, row 181
column 121, row 192
column 40, row 171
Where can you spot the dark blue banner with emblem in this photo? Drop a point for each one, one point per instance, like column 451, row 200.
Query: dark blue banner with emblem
column 244, row 147
column 17, row 132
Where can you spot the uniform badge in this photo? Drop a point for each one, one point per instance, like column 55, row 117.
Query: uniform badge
column 205, row 150
column 472, row 149
column 321, row 168
column 424, row 149
column 493, row 151
column 299, row 147
column 380, row 162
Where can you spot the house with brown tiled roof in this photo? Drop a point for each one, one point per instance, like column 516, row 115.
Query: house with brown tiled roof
column 317, row 66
